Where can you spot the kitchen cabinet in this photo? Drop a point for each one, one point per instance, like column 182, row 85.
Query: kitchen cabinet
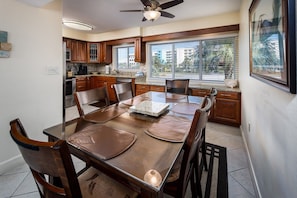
column 139, row 50
column 227, row 108
column 141, row 88
column 105, row 53
column 78, row 51
column 100, row 81
column 83, row 83
column 93, row 52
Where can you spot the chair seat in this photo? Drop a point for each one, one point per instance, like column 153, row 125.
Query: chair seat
column 94, row 183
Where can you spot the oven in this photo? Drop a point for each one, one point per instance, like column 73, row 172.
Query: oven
column 70, row 85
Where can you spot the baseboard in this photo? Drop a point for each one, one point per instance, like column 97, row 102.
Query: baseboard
column 12, row 162
column 253, row 175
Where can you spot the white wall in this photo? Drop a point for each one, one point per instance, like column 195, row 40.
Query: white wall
column 272, row 140
column 199, row 23
column 27, row 91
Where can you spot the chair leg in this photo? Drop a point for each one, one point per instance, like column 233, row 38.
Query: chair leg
column 197, row 174
column 193, row 187
column 204, row 151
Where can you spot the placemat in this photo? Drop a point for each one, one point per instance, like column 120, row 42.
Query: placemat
column 104, row 115
column 102, row 141
column 170, row 128
column 185, row 108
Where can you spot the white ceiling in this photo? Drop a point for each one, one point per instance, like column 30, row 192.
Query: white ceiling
column 105, row 15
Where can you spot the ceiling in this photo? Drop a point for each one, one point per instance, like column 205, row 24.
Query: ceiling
column 105, row 15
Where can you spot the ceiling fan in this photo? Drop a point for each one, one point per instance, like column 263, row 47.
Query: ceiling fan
column 153, row 9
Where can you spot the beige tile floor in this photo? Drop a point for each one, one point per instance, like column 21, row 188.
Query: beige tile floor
column 18, row 181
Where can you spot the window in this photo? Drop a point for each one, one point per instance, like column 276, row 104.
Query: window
column 212, row 59
column 125, row 58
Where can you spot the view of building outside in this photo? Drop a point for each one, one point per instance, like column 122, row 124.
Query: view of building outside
column 209, row 60
column 126, row 58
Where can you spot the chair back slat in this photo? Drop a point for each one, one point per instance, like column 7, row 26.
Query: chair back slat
column 179, row 86
column 91, row 96
column 123, row 91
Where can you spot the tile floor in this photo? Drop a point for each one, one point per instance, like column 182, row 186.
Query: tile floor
column 18, row 182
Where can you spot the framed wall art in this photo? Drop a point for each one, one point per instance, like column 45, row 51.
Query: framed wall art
column 273, row 43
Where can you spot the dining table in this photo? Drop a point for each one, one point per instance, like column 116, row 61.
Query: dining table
column 136, row 141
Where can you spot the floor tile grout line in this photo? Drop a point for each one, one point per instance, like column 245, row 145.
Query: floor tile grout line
column 242, row 185
column 28, row 172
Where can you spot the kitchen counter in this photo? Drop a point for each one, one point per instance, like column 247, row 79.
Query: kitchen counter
column 142, row 81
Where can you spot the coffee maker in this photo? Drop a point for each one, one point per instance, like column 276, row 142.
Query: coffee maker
column 82, row 70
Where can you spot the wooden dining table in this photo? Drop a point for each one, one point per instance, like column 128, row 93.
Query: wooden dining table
column 136, row 149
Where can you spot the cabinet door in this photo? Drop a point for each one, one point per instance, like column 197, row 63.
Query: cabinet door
column 93, row 52
column 105, row 53
column 78, row 51
column 81, row 83
column 227, row 111
column 139, row 50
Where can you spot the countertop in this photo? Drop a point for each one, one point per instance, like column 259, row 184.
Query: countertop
column 143, row 81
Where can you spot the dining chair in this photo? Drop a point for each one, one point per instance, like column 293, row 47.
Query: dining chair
column 90, row 100
column 179, row 86
column 53, row 159
column 123, row 91
column 212, row 95
column 185, row 169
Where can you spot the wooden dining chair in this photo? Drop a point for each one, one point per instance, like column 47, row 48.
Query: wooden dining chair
column 90, row 100
column 185, row 170
column 123, row 91
column 179, row 86
column 212, row 95
column 53, row 160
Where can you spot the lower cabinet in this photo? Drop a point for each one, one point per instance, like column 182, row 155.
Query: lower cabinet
column 227, row 106
column 140, row 89
column 82, row 83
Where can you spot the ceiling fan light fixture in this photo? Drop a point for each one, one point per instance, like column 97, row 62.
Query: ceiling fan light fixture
column 78, row 25
column 151, row 15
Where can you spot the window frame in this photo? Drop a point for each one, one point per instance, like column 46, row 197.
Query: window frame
column 115, row 58
column 234, row 35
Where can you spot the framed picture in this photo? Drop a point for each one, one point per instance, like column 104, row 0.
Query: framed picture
column 272, row 43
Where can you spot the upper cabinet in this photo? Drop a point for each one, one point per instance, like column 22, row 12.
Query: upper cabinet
column 99, row 52
column 139, row 50
column 78, row 50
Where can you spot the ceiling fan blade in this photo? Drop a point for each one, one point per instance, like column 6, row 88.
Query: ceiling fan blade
column 131, row 10
column 166, row 14
column 146, row 2
column 170, row 4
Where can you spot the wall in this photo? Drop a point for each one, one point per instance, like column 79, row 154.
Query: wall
column 272, row 140
column 200, row 23
column 27, row 90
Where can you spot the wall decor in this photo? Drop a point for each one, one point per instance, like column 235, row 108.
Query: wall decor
column 272, row 43
column 5, row 47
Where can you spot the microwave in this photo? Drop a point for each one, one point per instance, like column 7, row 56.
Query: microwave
column 68, row 54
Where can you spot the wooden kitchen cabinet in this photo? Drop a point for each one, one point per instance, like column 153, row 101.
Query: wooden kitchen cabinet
column 105, row 53
column 100, row 81
column 83, row 83
column 140, row 89
column 139, row 50
column 93, row 52
column 78, row 51
column 227, row 108
column 157, row 88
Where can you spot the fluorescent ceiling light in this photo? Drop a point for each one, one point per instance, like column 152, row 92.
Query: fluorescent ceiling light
column 78, row 25
column 151, row 15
